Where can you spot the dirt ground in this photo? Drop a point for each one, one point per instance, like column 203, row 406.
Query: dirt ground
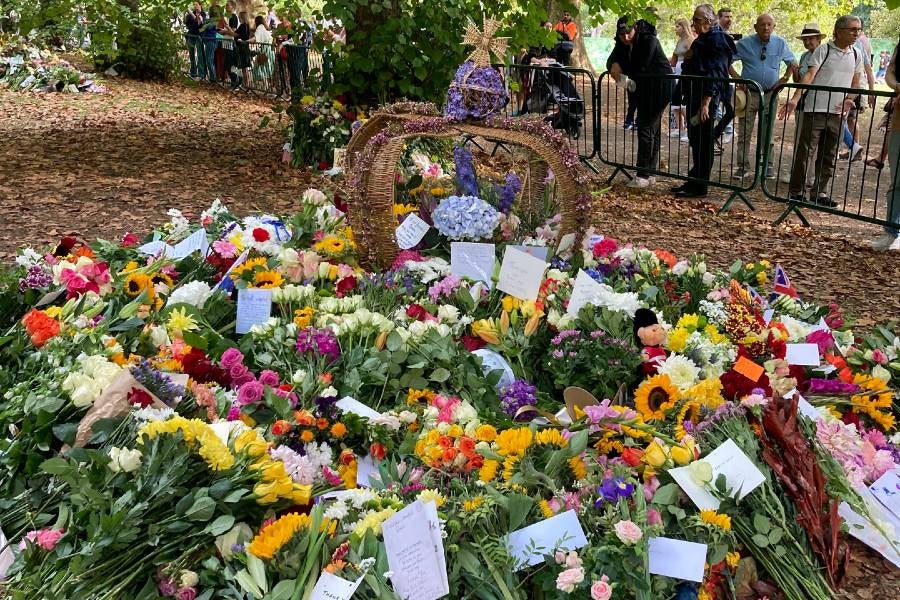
column 101, row 165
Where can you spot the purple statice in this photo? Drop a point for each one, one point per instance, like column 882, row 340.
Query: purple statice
column 157, row 383
column 508, row 192
column 36, row 278
column 829, row 386
column 613, row 488
column 466, row 182
column 320, row 342
column 514, row 397
column 475, row 93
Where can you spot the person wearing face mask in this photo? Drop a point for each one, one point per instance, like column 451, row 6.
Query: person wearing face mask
column 761, row 55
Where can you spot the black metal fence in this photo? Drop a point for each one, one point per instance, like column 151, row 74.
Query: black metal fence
column 281, row 70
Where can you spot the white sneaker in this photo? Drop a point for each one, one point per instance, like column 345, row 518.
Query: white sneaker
column 726, row 139
column 684, row 138
column 651, row 180
column 638, row 182
column 856, row 152
column 886, row 241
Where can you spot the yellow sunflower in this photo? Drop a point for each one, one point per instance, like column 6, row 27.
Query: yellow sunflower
column 162, row 278
column 267, row 279
column 655, row 397
column 247, row 265
column 303, row 317
column 331, row 245
column 715, row 519
column 136, row 283
column 690, row 411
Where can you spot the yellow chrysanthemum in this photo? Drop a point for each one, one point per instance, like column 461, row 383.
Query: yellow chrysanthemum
column 470, row 505
column 707, row 392
column 195, row 432
column 486, row 433
column 514, row 441
column 655, row 397
column 732, row 559
column 689, row 322
column 550, row 437
column 677, row 340
column 488, row 471
column 267, row 280
column 275, row 535
column 719, row 520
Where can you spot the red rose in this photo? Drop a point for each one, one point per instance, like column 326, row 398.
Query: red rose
column 417, row 312
column 260, row 235
column 632, row 456
column 129, row 239
column 377, row 451
column 472, row 343
column 139, row 397
column 344, row 285
column 851, row 418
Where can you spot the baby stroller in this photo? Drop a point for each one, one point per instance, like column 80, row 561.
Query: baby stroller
column 553, row 87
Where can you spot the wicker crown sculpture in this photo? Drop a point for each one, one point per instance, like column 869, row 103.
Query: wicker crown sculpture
column 474, row 98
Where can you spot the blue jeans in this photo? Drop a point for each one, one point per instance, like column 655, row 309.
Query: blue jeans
column 208, row 59
column 193, row 44
column 893, row 195
column 848, row 137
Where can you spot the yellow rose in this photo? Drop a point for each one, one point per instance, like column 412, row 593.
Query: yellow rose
column 654, row 455
column 681, row 456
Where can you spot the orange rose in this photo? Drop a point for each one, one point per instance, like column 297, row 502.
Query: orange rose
column 303, row 417
column 445, row 442
column 280, row 427
column 467, row 446
column 449, row 454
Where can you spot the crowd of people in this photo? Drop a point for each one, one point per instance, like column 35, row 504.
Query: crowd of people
column 707, row 91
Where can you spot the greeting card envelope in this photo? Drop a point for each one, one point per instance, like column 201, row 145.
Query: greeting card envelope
column 741, row 476
column 676, row 558
column 803, row 354
column 527, row 546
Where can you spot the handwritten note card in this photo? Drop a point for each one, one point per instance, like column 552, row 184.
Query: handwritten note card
column 529, row 545
column 863, row 530
column 741, row 476
column 415, row 552
column 156, row 248
column 411, row 231
column 472, row 260
column 352, row 405
column 803, row 354
column 491, row 361
column 540, row 252
column 583, row 292
column 332, row 587
column 520, row 274
column 254, row 307
column 676, row 558
column 887, row 490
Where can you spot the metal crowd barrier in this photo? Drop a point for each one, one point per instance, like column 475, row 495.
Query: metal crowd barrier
column 565, row 97
column 280, row 71
column 734, row 167
column 807, row 148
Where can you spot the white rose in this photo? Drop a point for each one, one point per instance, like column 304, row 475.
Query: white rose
column 124, row 460
column 159, row 336
column 189, row 579
column 329, row 392
column 314, row 196
column 195, row 293
column 448, row 313
column 881, row 373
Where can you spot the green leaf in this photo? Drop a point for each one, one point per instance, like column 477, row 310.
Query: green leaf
column 761, row 523
column 56, row 466
column 283, row 591
column 519, row 507
column 202, row 510
column 775, row 535
column 666, row 494
column 760, row 540
column 246, row 582
column 194, row 340
column 578, row 442
column 65, row 432
column 394, row 341
column 440, row 375
column 257, row 569
column 222, row 524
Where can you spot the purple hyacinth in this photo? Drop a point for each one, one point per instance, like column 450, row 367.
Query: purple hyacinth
column 508, row 192
column 321, row 342
column 466, row 182
column 514, row 397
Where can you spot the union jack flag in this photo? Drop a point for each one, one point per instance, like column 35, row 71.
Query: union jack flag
column 755, row 297
column 783, row 283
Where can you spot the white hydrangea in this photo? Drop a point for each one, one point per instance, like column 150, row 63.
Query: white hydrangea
column 195, row 293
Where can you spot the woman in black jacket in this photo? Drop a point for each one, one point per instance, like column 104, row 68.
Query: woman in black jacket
column 641, row 56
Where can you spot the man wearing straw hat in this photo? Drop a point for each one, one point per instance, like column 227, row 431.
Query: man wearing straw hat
column 835, row 64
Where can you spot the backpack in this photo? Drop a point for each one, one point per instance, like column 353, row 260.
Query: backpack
column 825, row 60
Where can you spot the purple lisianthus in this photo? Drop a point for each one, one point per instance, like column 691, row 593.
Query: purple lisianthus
column 321, row 342
column 514, row 397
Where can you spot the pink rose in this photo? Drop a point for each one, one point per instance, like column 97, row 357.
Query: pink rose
column 187, row 593
column 569, row 579
column 231, row 358
column 44, row 538
column 238, row 371
column 601, row 590
column 250, row 393
column 653, row 517
column 167, row 587
column 269, row 378
column 560, row 557
column 628, row 533
column 880, row 357
column 573, row 560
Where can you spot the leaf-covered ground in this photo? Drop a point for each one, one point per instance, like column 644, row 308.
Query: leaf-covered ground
column 101, row 165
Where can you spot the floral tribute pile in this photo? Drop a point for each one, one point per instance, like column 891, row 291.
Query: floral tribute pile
column 149, row 451
column 24, row 67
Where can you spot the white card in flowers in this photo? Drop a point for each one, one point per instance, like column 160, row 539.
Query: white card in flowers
column 415, row 552
column 741, row 475
column 529, row 545
column 521, row 275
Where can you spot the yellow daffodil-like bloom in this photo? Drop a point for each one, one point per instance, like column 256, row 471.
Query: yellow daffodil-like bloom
column 432, row 496
column 303, row 317
column 267, row 280
column 486, row 433
column 404, row 209
column 579, row 469
column 510, row 303
column 655, row 397
column 470, row 505
column 733, row 558
column 486, row 330
column 514, row 441
column 550, row 437
column 273, row 536
column 373, row 521
column 488, row 471
column 180, row 321
column 719, row 520
column 544, row 505
column 677, row 339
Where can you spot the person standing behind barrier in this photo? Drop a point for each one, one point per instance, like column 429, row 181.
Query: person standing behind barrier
column 685, row 36
column 835, row 64
column 812, row 37
column 709, row 56
column 209, row 40
column 265, row 56
column 193, row 19
column 620, row 50
column 568, row 31
column 891, row 238
column 645, row 57
column 761, row 55
column 242, row 47
column 726, row 123
column 229, row 30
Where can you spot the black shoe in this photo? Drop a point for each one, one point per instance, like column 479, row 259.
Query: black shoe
column 796, row 197
column 678, row 188
column 689, row 193
column 826, row 201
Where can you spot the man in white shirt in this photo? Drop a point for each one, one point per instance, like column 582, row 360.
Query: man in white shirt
column 835, row 64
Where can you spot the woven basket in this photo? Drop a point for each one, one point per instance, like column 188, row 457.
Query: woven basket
column 371, row 202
